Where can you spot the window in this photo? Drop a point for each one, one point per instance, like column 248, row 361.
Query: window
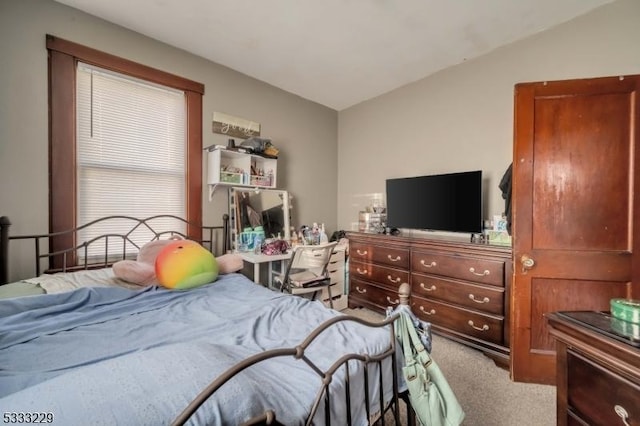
column 130, row 137
column 84, row 178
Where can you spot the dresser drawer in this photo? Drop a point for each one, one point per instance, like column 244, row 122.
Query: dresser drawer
column 390, row 277
column 486, row 327
column 391, row 256
column 335, row 267
column 465, row 276
column 594, row 393
column 474, row 296
column 337, row 257
column 378, row 296
column 337, row 276
column 467, row 268
column 336, row 290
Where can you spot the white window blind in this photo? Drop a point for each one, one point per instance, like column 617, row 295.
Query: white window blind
column 131, row 143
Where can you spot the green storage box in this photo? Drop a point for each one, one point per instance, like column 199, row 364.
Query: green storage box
column 626, row 310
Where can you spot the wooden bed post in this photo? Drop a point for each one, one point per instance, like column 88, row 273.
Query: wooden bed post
column 4, row 249
column 404, row 293
column 404, row 296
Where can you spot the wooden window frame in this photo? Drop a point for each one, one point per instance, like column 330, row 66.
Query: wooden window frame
column 63, row 58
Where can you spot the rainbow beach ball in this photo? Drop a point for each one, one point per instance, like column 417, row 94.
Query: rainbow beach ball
column 185, row 264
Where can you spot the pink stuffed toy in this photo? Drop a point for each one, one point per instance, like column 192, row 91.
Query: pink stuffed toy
column 142, row 271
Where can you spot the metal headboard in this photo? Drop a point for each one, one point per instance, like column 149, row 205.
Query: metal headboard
column 207, row 239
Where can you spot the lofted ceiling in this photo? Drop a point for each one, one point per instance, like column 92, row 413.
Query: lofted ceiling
column 337, row 52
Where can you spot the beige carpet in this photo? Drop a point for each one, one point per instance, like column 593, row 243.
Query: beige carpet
column 486, row 393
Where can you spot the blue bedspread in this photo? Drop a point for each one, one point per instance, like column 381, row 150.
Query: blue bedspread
column 115, row 356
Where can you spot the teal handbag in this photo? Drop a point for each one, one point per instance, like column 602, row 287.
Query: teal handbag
column 430, row 395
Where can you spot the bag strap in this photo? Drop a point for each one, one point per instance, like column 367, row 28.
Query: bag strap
column 405, row 338
column 411, row 341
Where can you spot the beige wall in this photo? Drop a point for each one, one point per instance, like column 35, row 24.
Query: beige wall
column 458, row 119
column 462, row 118
column 305, row 132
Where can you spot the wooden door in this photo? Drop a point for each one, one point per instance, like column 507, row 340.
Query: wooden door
column 576, row 228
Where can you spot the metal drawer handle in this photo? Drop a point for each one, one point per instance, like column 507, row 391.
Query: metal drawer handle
column 362, row 253
column 397, row 280
column 393, row 302
column 394, row 259
column 483, row 328
column 430, row 265
column 361, row 272
column 431, row 312
column 622, row 413
column 424, row 287
column 473, row 271
column 360, row 291
column 484, row 299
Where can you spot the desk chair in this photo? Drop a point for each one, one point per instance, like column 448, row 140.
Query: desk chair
column 306, row 272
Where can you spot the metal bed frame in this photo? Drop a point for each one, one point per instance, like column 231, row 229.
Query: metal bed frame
column 269, row 417
column 298, row 352
column 66, row 257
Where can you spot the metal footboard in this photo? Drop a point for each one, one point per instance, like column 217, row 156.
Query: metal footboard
column 327, row 376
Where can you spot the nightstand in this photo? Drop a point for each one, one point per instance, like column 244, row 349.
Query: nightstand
column 597, row 370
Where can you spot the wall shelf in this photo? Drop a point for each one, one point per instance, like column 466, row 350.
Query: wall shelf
column 233, row 168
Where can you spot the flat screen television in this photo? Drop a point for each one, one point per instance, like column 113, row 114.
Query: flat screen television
column 446, row 202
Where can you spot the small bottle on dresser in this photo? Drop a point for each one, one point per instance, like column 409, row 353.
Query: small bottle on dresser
column 257, row 247
column 323, row 235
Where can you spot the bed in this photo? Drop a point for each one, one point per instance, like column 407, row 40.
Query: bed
column 227, row 352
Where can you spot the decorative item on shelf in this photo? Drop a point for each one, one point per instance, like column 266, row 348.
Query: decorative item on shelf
column 377, row 205
column 626, row 310
column 305, row 235
column 260, row 146
column 257, row 243
column 271, row 151
column 498, row 237
column 294, row 238
column 231, row 174
column 372, row 222
column 499, row 223
column 275, row 247
column 495, row 231
column 250, row 238
column 323, row 235
column 260, row 180
column 230, row 125
column 314, row 235
column 479, row 238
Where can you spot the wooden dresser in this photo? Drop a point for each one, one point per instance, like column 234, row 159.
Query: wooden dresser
column 462, row 288
column 597, row 376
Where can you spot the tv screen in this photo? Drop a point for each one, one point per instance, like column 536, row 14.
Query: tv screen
column 446, row 202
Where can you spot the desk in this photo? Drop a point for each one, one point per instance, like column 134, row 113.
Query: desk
column 257, row 259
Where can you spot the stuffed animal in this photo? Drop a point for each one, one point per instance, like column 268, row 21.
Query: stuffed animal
column 185, row 264
column 142, row 271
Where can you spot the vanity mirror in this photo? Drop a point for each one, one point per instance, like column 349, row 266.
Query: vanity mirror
column 250, row 207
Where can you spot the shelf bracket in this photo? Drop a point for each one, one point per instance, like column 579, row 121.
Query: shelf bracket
column 212, row 189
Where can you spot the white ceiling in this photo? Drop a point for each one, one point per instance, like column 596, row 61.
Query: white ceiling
column 337, row 52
